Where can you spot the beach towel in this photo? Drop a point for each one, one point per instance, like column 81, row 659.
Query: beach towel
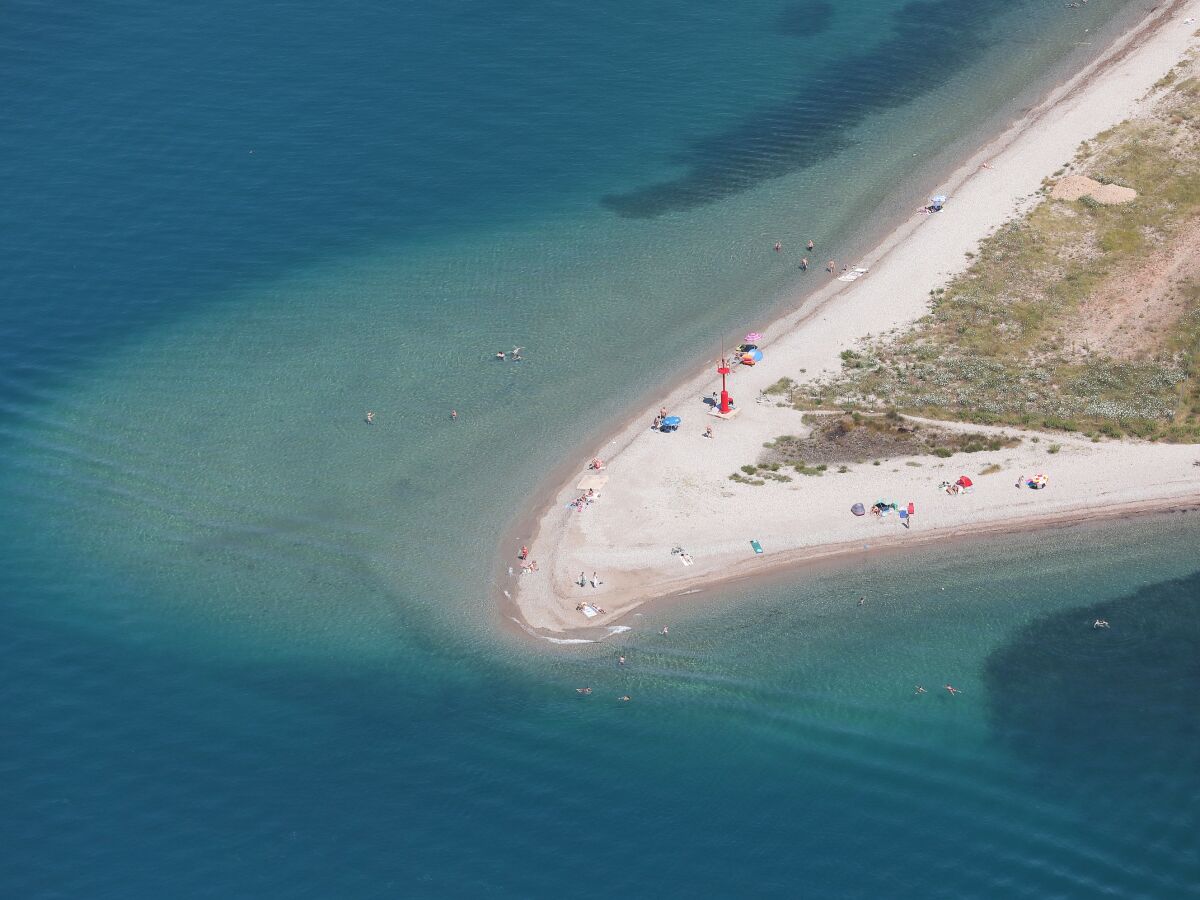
column 852, row 274
column 757, row 547
column 590, row 611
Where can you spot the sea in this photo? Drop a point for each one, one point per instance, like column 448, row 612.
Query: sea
column 253, row 646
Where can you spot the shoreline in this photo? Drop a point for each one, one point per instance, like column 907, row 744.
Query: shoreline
column 835, row 557
column 547, row 527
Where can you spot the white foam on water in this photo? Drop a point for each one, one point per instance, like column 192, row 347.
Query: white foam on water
column 529, row 631
column 618, row 629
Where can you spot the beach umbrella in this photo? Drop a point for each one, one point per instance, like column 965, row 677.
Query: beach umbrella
column 755, row 354
column 672, row 421
column 753, row 337
column 858, row 509
column 939, row 200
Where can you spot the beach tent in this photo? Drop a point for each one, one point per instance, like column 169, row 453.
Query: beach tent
column 938, row 202
column 670, row 423
column 964, row 481
column 858, row 509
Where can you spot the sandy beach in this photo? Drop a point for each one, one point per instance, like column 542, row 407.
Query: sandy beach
column 660, row 491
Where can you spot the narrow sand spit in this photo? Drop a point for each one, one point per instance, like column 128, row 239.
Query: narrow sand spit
column 672, row 490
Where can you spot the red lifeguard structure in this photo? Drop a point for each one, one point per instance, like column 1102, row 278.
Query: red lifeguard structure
column 726, row 401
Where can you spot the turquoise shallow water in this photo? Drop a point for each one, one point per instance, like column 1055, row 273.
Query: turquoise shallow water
column 250, row 644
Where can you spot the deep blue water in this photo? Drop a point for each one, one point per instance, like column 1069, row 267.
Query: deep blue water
column 250, row 648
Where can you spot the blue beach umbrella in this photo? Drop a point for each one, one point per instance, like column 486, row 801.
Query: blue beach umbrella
column 939, row 200
column 672, row 421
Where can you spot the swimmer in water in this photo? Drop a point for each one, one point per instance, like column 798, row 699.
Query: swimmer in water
column 583, row 690
column 862, row 601
column 952, row 689
column 500, row 354
column 778, row 246
column 804, row 264
column 810, row 246
column 624, row 698
column 370, row 417
column 1100, row 623
column 454, row 415
column 919, row 690
column 620, row 660
column 664, row 630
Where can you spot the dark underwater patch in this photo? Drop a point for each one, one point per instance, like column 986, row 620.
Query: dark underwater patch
column 932, row 39
column 1105, row 707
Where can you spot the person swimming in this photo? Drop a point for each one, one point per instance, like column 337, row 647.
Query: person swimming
column 500, row 354
column 664, row 630
column 624, row 698
column 1100, row 623
column 952, row 689
column 583, row 690
column 370, row 417
column 919, row 690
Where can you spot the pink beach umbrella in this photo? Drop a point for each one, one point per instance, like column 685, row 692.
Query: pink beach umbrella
column 753, row 337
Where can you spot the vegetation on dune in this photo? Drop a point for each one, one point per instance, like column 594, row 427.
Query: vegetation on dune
column 1000, row 344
